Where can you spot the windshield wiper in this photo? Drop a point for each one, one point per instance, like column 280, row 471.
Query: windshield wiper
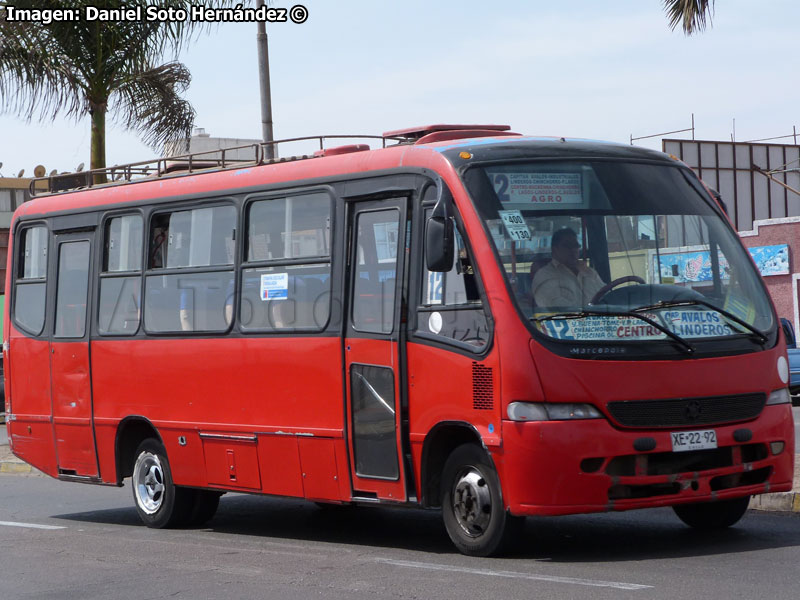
column 694, row 302
column 686, row 346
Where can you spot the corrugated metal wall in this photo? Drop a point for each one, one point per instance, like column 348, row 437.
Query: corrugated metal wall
column 728, row 168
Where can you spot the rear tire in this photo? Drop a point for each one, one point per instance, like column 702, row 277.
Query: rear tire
column 712, row 515
column 472, row 504
column 159, row 502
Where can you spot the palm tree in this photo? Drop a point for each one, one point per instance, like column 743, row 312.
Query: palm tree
column 79, row 68
column 690, row 14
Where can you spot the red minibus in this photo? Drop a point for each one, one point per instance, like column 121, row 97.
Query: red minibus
column 465, row 318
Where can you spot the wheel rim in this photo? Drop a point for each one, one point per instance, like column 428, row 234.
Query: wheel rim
column 148, row 479
column 472, row 502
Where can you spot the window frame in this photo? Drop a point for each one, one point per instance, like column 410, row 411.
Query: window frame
column 149, row 271
column 22, row 229
column 102, row 275
column 246, row 265
column 425, row 203
column 57, row 306
column 402, row 220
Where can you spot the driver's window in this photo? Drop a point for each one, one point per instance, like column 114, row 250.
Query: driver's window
column 451, row 306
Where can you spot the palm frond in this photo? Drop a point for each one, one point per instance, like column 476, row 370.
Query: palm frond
column 35, row 82
column 73, row 68
column 150, row 104
column 691, row 15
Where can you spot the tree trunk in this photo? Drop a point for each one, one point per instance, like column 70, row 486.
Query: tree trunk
column 98, row 155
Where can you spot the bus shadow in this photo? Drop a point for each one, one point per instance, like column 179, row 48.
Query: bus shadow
column 648, row 535
column 640, row 535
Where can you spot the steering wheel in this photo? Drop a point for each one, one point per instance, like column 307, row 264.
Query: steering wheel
column 614, row 283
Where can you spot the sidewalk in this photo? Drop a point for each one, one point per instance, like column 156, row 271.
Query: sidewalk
column 782, row 501
column 8, row 462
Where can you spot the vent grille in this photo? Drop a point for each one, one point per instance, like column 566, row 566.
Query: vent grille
column 687, row 412
column 482, row 387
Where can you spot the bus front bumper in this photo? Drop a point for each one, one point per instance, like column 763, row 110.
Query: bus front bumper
column 570, row 467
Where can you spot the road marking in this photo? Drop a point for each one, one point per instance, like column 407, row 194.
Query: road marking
column 29, row 525
column 516, row 575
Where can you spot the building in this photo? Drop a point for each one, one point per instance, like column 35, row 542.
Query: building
column 760, row 185
column 212, row 146
column 13, row 192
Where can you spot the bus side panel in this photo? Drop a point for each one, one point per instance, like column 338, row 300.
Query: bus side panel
column 228, row 386
column 280, row 460
column 105, row 432
column 32, row 428
column 445, row 386
column 320, row 475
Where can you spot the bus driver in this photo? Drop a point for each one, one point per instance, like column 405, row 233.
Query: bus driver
column 565, row 280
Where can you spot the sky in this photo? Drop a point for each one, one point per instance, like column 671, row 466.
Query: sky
column 603, row 70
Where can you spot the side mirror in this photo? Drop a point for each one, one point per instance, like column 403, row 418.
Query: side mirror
column 439, row 234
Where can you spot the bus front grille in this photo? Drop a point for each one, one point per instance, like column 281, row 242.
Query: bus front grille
column 694, row 461
column 687, row 412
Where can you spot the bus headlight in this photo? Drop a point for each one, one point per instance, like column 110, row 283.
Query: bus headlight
column 539, row 411
column 780, row 396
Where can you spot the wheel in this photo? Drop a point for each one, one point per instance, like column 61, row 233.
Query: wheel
column 712, row 515
column 204, row 506
column 158, row 501
column 472, row 504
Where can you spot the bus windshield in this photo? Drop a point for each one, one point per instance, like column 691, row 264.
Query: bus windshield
column 618, row 251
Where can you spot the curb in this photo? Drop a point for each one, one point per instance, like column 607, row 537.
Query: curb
column 780, row 502
column 16, row 467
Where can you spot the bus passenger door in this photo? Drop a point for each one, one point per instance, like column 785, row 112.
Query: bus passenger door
column 377, row 234
column 69, row 358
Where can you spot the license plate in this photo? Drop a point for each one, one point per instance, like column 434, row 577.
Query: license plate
column 693, row 440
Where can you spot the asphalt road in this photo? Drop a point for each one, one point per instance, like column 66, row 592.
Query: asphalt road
column 65, row 540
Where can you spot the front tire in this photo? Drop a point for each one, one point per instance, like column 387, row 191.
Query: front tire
column 712, row 515
column 158, row 501
column 472, row 504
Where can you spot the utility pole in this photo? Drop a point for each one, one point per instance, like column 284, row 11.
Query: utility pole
column 266, row 97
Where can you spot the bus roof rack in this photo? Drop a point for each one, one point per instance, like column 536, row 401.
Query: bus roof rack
column 184, row 164
column 221, row 159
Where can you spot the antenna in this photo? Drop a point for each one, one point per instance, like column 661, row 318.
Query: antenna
column 53, row 172
column 1, row 166
column 21, row 173
column 79, row 168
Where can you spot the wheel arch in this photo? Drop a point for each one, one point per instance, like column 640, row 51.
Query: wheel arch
column 132, row 430
column 439, row 443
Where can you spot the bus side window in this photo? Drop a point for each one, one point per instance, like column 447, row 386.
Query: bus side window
column 31, row 280
column 286, row 280
column 189, row 285
column 121, row 276
column 451, row 304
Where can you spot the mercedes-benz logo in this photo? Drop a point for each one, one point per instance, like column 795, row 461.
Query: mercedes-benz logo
column 693, row 410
